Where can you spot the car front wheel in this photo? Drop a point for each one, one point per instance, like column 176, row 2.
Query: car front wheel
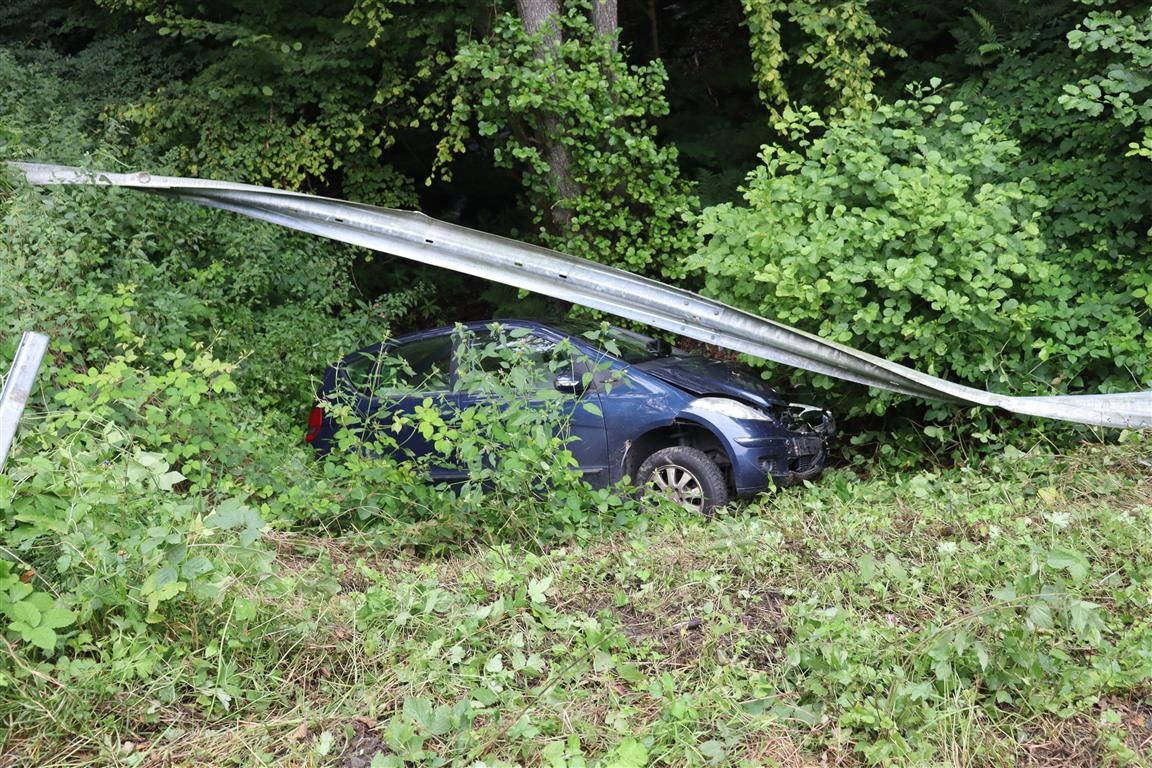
column 686, row 476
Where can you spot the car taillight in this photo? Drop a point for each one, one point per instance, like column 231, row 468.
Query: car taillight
column 315, row 421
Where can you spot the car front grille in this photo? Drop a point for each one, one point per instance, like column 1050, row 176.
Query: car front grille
column 802, row 454
column 805, row 445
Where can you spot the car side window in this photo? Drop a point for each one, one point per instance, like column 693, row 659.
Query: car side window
column 426, row 364
column 418, row 366
column 502, row 359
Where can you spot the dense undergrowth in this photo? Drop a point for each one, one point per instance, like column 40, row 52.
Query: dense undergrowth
column 183, row 587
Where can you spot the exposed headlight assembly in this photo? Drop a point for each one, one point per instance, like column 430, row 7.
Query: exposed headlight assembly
column 733, row 409
column 816, row 419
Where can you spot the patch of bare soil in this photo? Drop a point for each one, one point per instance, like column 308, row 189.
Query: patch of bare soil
column 673, row 631
column 1081, row 741
column 362, row 745
column 1068, row 743
column 1136, row 724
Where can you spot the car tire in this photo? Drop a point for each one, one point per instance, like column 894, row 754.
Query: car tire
column 685, row 475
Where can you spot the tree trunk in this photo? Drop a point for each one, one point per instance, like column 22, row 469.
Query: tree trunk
column 654, row 29
column 604, row 19
column 538, row 14
column 543, row 17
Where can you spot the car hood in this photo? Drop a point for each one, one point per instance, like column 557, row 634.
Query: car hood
column 704, row 376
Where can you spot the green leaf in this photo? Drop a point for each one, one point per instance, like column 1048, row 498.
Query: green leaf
column 1086, row 621
column 714, row 751
column 233, row 513
column 58, row 617
column 1074, row 563
column 166, row 480
column 26, row 613
column 41, row 637
column 630, row 753
column 538, row 588
column 1040, row 615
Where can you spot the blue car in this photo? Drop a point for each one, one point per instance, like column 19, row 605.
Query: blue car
column 692, row 428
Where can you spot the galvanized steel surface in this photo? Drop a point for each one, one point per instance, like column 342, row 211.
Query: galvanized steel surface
column 18, row 387
column 418, row 237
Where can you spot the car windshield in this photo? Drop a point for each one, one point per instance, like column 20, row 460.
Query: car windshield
column 631, row 347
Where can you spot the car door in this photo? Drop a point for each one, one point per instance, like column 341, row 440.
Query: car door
column 537, row 367
column 394, row 380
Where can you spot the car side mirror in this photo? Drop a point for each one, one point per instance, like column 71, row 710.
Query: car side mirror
column 569, row 384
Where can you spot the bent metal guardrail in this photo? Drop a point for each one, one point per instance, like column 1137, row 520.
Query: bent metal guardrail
column 418, row 237
column 18, row 387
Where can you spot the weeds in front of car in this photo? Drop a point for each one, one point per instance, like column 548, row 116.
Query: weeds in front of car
column 504, row 431
column 181, row 587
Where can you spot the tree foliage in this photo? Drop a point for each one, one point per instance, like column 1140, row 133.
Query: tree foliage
column 903, row 231
column 99, row 270
column 283, row 94
column 626, row 203
column 825, row 52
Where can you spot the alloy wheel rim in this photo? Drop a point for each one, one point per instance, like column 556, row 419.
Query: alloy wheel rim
column 680, row 485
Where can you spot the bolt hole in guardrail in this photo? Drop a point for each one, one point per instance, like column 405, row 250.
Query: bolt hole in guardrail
column 18, row 387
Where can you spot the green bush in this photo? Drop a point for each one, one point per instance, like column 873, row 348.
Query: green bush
column 906, row 232
column 130, row 499
column 139, row 504
column 520, row 482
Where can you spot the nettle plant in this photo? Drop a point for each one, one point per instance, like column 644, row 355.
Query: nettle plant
column 519, row 479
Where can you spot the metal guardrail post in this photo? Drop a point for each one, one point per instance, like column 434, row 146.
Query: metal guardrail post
column 18, row 387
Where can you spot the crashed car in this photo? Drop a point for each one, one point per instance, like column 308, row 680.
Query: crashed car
column 692, row 428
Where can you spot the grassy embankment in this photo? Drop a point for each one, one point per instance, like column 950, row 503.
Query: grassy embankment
column 995, row 616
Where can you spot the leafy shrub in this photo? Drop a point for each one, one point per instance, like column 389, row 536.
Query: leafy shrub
column 129, row 500
column 1119, row 42
column 520, row 480
column 902, row 231
column 96, row 269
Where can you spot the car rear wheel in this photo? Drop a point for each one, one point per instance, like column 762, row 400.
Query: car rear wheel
column 686, row 476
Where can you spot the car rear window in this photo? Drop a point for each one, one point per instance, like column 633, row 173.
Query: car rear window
column 418, row 366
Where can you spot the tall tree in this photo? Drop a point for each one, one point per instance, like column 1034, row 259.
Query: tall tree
column 541, row 19
column 556, row 100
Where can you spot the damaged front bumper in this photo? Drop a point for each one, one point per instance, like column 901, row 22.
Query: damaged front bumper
column 808, row 448
column 799, row 454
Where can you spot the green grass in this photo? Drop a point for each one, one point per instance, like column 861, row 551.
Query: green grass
column 972, row 617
